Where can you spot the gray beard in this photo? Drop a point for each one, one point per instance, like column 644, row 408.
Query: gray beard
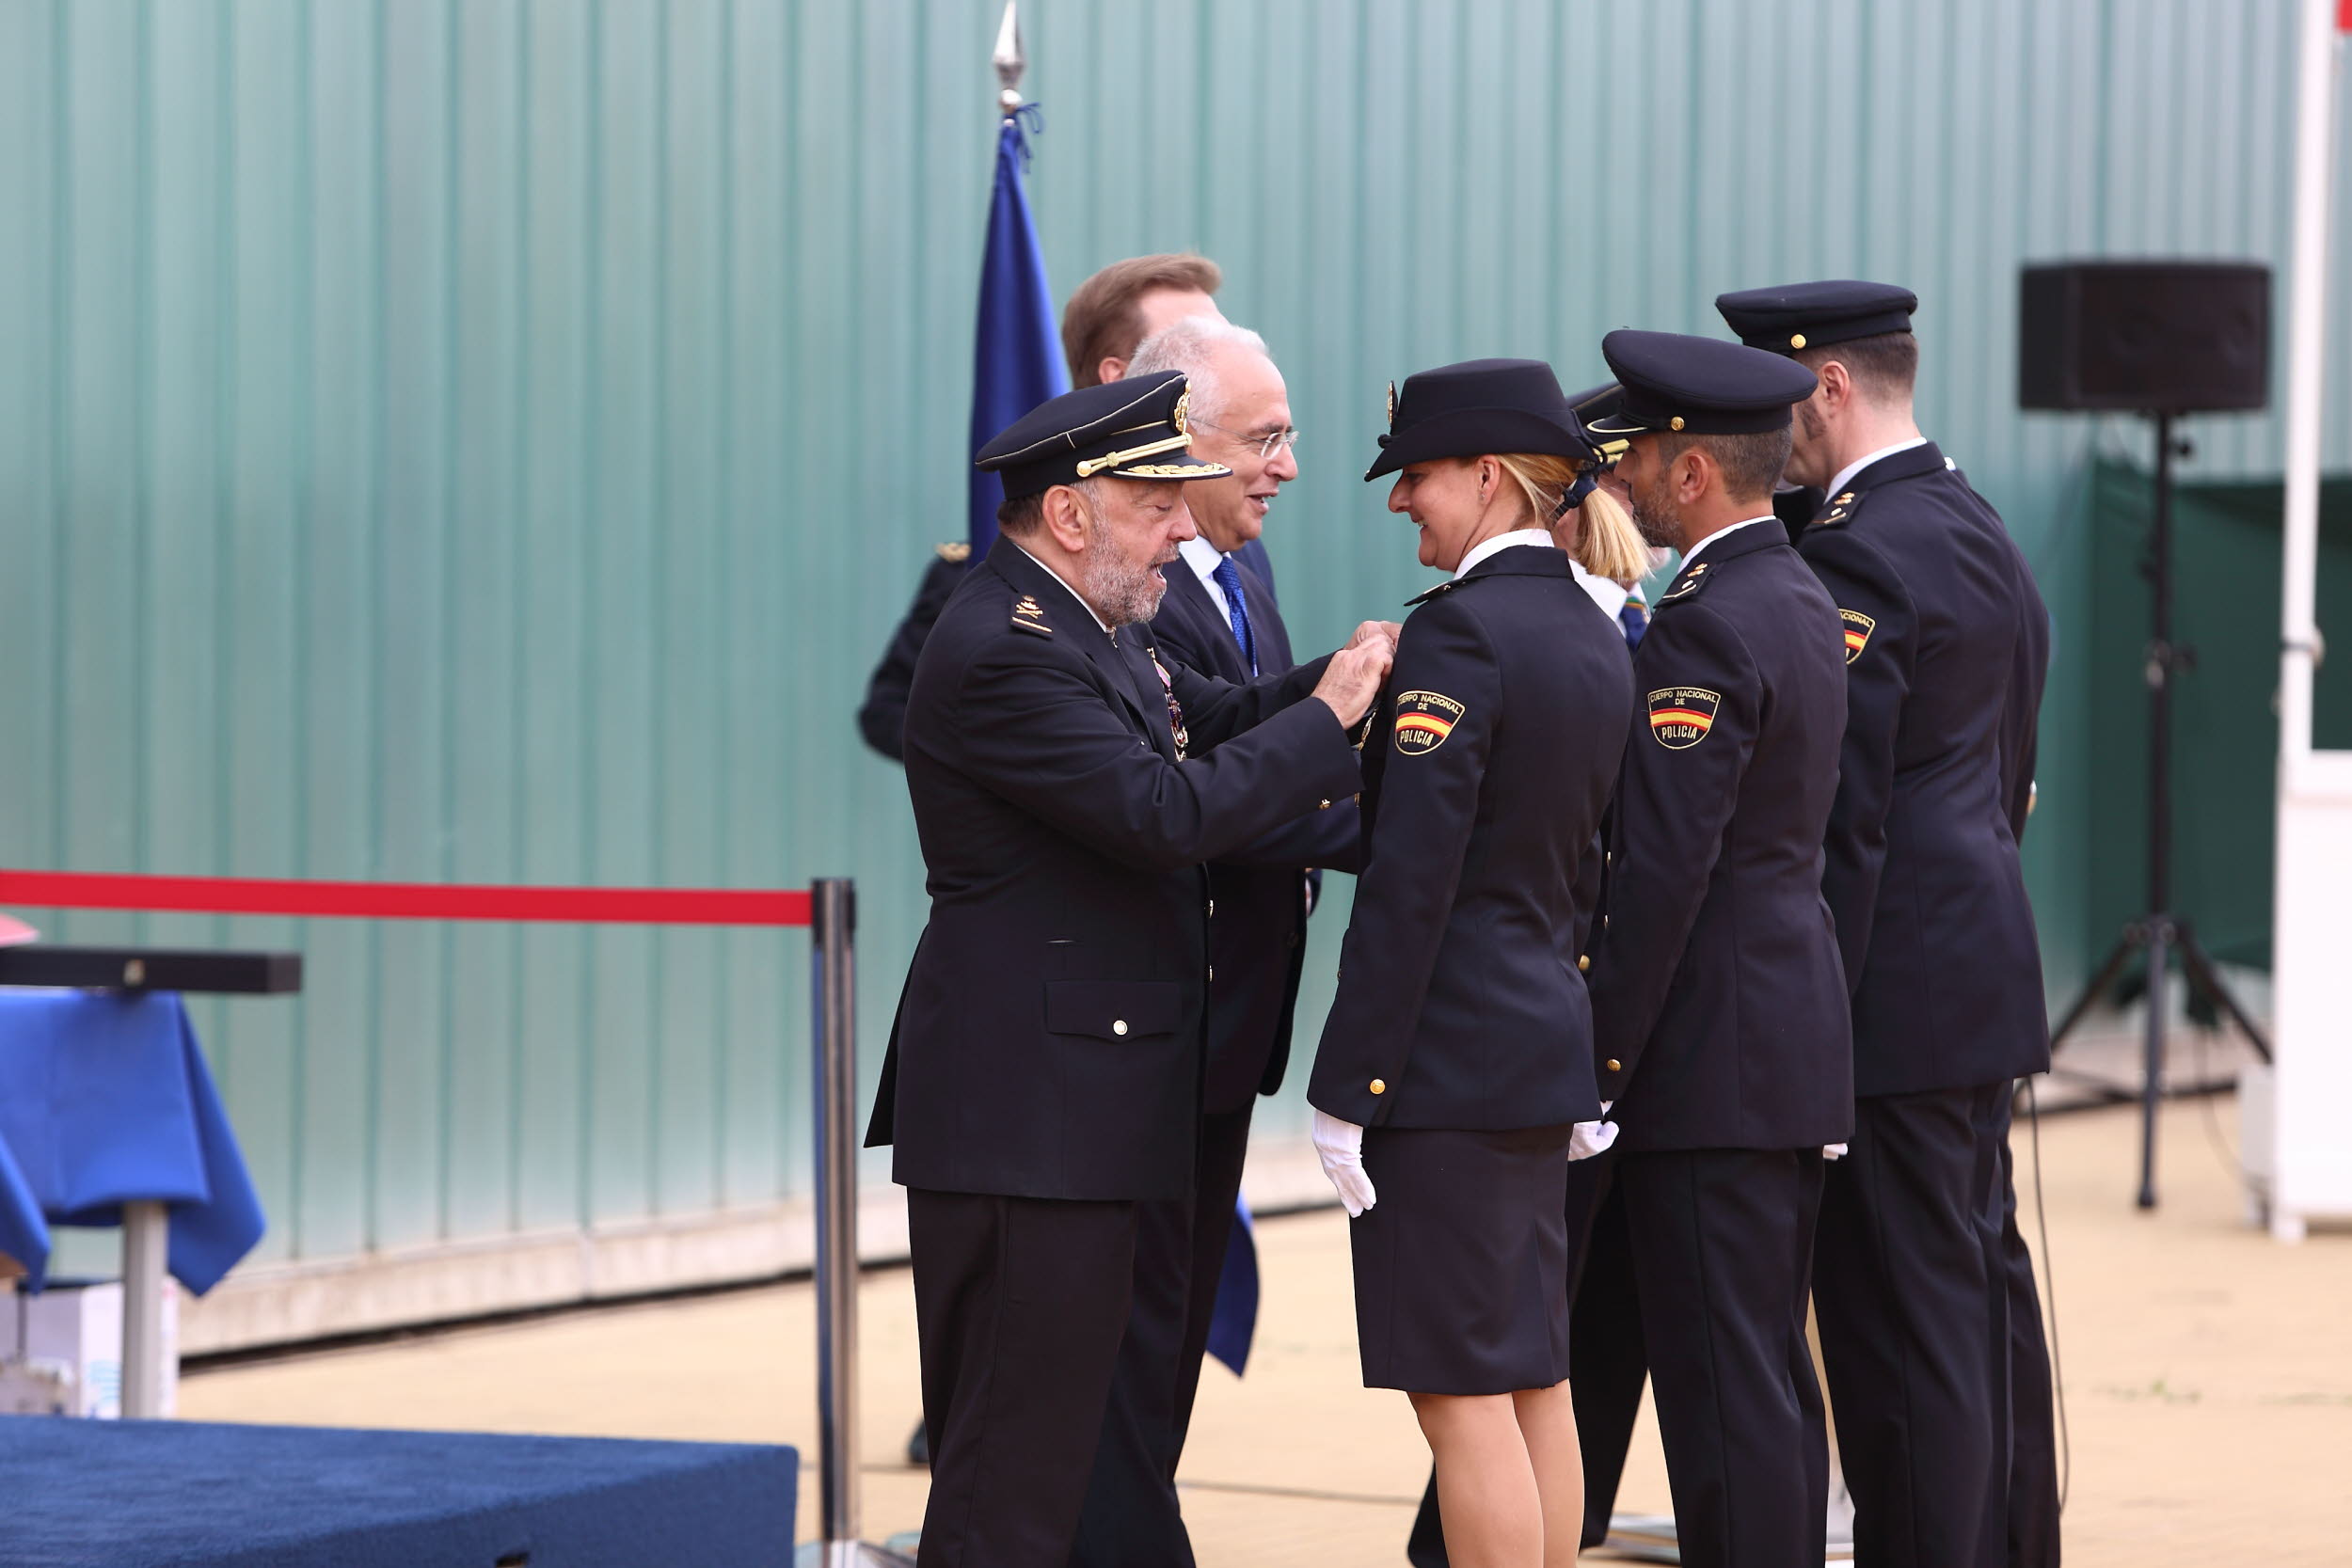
column 1122, row 595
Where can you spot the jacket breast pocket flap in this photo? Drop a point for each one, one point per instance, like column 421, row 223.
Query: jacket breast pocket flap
column 1113, row 1010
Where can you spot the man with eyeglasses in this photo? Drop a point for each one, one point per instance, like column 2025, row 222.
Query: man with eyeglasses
column 1218, row 617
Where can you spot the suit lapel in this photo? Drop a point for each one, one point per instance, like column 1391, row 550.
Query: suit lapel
column 1135, row 641
column 1188, row 596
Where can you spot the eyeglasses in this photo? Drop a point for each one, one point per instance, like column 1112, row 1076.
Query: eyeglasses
column 1267, row 445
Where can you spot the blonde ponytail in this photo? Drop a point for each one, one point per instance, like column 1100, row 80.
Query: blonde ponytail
column 1607, row 543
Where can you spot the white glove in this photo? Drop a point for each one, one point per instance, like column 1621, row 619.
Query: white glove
column 1833, row 1151
column 1340, row 1144
column 1588, row 1138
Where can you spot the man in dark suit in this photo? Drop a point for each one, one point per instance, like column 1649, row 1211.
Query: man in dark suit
column 1107, row 317
column 1044, row 1068
column 1218, row 618
column 1719, row 1011
column 1946, row 1437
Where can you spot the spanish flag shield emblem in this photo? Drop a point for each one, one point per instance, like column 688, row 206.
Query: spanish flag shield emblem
column 1423, row 719
column 1680, row 716
column 1858, row 629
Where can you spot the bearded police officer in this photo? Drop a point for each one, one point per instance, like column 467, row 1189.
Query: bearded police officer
column 1044, row 1070
column 1719, row 1005
column 1220, row 618
column 1946, row 1435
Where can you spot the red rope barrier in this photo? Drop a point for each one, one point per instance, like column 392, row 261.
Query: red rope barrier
column 650, row 906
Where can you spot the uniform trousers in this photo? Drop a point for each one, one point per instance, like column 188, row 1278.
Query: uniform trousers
column 1019, row 1306
column 1912, row 1295
column 1721, row 1241
column 2030, row 1502
column 1607, row 1369
column 1130, row 1518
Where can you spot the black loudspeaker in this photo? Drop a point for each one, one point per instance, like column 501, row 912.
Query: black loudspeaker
column 2158, row 337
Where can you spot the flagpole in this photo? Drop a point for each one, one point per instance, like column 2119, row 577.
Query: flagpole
column 1010, row 61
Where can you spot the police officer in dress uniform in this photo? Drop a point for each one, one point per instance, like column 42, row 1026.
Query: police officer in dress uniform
column 1606, row 1370
column 1044, row 1068
column 1719, row 1007
column 1946, row 646
column 1219, row 618
column 1455, row 1059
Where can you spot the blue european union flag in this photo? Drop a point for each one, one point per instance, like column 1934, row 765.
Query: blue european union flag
column 1016, row 363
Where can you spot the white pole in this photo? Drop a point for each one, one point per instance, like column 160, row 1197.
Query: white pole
column 146, row 1238
column 2300, row 1099
column 2306, row 311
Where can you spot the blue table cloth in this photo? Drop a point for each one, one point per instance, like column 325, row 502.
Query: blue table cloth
column 104, row 1099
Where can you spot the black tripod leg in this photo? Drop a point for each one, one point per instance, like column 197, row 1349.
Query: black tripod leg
column 2132, row 939
column 2152, row 1065
column 2202, row 973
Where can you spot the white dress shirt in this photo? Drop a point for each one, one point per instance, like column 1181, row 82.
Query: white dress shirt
column 1693, row 553
column 1845, row 475
column 1609, row 595
column 1501, row 542
column 1204, row 559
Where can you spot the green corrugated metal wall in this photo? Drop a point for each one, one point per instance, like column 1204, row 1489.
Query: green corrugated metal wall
column 489, row 440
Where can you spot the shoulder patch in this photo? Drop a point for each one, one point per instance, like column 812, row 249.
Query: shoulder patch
column 1423, row 719
column 1839, row 508
column 955, row 549
column 1680, row 716
column 1028, row 615
column 1691, row 580
column 1858, row 629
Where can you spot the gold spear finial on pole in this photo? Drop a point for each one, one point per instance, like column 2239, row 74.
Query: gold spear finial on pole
column 1008, row 60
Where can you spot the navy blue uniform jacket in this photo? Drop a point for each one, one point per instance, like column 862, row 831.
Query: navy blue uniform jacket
column 1257, row 904
column 1719, row 1003
column 1461, row 1003
column 1948, row 645
column 1048, row 1042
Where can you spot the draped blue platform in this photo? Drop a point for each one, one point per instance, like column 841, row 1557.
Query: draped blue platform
column 80, row 1494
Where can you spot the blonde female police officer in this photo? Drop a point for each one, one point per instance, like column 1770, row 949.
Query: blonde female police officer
column 1458, row 1051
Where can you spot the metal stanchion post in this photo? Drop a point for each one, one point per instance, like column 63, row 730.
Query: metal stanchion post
column 832, row 968
column 145, row 1237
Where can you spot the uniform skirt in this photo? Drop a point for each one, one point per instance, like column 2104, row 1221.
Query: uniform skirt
column 1462, row 1261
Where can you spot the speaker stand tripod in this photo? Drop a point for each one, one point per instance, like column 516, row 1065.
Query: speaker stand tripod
column 2158, row 935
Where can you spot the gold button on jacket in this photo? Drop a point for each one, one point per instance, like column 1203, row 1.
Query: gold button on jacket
column 1614, row 1067
column 1379, row 1085
column 1119, row 1025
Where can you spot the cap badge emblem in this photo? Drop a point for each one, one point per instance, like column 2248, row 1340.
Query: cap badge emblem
column 1392, row 405
column 1183, row 408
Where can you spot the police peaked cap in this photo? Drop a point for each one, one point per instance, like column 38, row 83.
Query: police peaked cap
column 1697, row 386
column 1477, row 406
column 1791, row 316
column 1131, row 429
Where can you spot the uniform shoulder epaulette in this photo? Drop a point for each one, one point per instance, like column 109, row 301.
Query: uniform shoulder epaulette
column 1428, row 593
column 955, row 549
column 1840, row 509
column 1687, row 587
column 1028, row 615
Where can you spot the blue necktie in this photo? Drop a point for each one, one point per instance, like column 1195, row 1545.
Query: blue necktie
column 1634, row 616
column 1229, row 577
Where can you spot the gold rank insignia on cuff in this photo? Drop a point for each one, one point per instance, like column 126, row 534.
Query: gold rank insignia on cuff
column 1858, row 629
column 1030, row 617
column 1423, row 719
column 1680, row 716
